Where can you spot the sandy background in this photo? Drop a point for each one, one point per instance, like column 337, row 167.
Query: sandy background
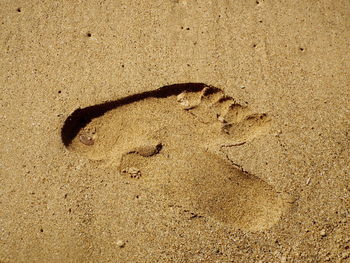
column 289, row 59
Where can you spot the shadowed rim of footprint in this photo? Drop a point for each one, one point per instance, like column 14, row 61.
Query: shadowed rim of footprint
column 82, row 116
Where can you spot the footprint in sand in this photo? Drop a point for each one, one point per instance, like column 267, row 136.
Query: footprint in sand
column 175, row 135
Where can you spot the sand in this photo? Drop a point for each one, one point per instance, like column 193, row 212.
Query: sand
column 174, row 131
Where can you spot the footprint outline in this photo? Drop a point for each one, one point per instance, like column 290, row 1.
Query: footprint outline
column 208, row 97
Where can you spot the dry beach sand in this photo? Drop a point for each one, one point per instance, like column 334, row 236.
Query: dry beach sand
column 174, row 131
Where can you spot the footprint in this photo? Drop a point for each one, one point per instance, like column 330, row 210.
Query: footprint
column 174, row 135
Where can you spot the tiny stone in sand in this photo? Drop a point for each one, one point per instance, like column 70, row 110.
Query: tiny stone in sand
column 120, row 243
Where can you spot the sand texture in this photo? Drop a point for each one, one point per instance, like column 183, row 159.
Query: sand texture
column 175, row 131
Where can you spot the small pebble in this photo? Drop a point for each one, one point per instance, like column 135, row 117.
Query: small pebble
column 278, row 133
column 120, row 243
column 181, row 98
column 87, row 140
column 221, row 119
column 308, row 181
column 323, row 233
